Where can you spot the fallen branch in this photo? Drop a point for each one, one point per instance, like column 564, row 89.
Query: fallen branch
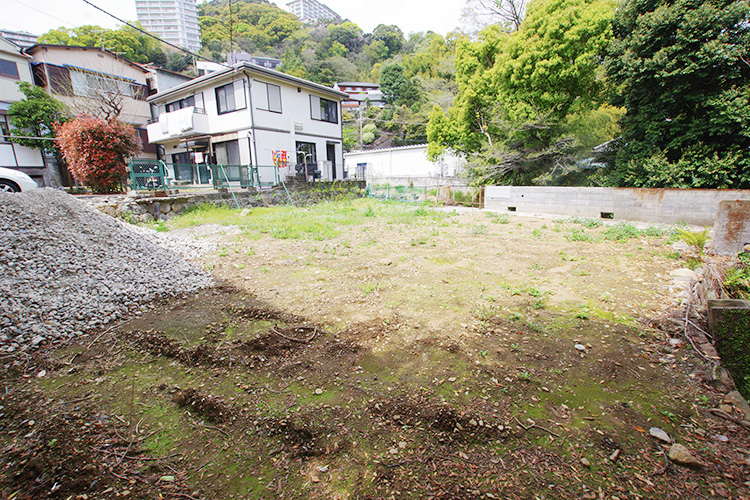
column 535, row 425
column 280, row 391
column 727, row 416
column 301, row 341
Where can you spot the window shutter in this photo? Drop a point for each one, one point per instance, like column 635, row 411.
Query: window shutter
column 261, row 95
column 274, row 98
column 239, row 94
column 315, row 107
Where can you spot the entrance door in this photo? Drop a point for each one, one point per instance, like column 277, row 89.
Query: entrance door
column 331, row 156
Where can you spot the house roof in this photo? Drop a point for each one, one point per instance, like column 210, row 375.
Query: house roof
column 384, row 150
column 358, row 84
column 38, row 46
column 254, row 70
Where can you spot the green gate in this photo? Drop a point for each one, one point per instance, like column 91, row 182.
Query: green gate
column 148, row 175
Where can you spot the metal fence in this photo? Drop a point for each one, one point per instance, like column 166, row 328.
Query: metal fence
column 148, row 175
column 450, row 195
column 156, row 175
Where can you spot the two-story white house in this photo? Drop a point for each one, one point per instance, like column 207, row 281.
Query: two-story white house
column 246, row 114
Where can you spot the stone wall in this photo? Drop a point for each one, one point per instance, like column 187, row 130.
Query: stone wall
column 147, row 209
column 692, row 206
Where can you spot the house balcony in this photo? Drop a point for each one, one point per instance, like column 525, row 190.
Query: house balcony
column 180, row 124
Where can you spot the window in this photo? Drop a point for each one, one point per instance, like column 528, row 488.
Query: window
column 230, row 97
column 228, row 154
column 323, row 109
column 8, row 69
column 306, row 153
column 84, row 84
column 194, row 100
column 269, row 96
column 4, row 129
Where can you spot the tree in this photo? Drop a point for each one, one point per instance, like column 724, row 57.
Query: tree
column 524, row 98
column 97, row 150
column 35, row 116
column 391, row 36
column 397, row 89
column 126, row 41
column 483, row 13
column 683, row 74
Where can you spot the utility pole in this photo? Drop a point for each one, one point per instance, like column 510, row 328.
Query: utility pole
column 360, row 126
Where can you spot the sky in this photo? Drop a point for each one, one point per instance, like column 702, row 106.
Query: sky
column 40, row 16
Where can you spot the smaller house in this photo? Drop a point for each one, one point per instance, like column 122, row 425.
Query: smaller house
column 15, row 68
column 402, row 163
column 247, row 116
column 94, row 81
column 361, row 94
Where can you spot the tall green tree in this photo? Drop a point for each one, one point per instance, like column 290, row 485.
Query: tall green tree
column 684, row 76
column 397, row 89
column 36, row 116
column 130, row 43
column 526, row 98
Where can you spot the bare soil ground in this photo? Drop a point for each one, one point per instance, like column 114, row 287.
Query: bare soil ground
column 359, row 350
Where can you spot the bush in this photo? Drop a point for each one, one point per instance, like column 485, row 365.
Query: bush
column 97, row 151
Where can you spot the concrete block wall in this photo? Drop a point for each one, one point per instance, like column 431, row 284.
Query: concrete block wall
column 693, row 206
column 732, row 227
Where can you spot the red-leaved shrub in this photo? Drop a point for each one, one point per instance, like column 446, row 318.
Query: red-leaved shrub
column 97, row 151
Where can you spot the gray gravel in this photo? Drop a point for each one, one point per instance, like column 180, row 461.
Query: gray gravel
column 66, row 268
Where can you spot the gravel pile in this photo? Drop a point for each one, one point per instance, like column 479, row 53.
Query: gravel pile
column 65, row 268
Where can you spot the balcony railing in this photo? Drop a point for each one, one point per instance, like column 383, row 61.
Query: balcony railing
column 185, row 122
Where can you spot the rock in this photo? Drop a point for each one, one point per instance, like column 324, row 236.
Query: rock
column 402, row 444
column 580, row 347
column 681, row 455
column 739, row 402
column 245, row 212
column 386, row 262
column 674, row 343
column 726, row 408
column 169, row 479
column 709, row 350
column 684, row 273
column 318, row 391
column 393, row 451
column 614, row 456
column 660, row 434
column 585, row 462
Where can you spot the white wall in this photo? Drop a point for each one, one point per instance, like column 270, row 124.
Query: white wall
column 406, row 161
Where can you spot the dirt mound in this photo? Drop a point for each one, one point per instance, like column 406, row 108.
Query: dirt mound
column 63, row 451
column 209, row 407
column 450, row 424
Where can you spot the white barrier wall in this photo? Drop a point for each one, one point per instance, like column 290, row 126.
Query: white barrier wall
column 693, row 206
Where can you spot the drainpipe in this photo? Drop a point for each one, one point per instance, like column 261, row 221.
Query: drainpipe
column 247, row 85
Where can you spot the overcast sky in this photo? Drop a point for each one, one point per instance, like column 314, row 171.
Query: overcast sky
column 40, row 16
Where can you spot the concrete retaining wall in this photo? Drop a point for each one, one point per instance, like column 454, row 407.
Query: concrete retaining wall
column 693, row 206
column 732, row 227
column 149, row 209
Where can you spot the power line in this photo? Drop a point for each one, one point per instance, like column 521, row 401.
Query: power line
column 388, row 121
column 154, row 36
column 45, row 13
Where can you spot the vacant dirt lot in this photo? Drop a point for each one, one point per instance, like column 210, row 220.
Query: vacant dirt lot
column 361, row 350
